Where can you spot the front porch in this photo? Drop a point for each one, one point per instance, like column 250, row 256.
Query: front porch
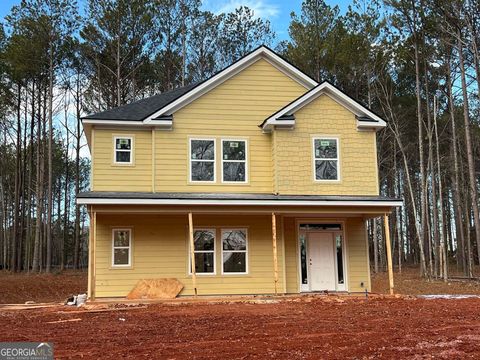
column 237, row 250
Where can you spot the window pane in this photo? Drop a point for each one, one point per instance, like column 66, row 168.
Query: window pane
column 202, row 171
column 326, row 170
column 204, row 239
column 202, row 149
column 338, row 241
column 234, row 262
column 204, row 262
column 234, row 150
column 234, row 240
column 120, row 256
column 121, row 238
column 303, row 255
column 234, row 171
column 123, row 144
column 320, row 227
column 326, row 148
column 122, row 156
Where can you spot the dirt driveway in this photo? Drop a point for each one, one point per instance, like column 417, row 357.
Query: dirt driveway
column 300, row 328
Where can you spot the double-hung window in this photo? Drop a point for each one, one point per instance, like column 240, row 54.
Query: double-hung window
column 204, row 251
column 202, row 160
column 121, row 247
column 234, row 161
column 326, row 164
column 123, row 150
column 234, row 251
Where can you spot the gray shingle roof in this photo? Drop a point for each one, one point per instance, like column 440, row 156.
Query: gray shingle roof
column 139, row 110
column 225, row 196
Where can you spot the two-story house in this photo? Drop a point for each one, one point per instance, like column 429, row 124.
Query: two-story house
column 258, row 180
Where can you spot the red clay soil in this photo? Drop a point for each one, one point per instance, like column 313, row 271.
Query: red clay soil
column 409, row 282
column 17, row 288
column 299, row 328
column 20, row 287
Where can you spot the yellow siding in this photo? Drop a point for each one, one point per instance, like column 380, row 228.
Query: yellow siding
column 358, row 164
column 234, row 109
column 291, row 255
column 108, row 176
column 358, row 263
column 160, row 249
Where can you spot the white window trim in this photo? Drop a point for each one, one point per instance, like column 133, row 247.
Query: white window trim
column 115, row 150
column 202, row 160
column 239, row 161
column 337, row 159
column 214, row 251
column 235, row 251
column 129, row 247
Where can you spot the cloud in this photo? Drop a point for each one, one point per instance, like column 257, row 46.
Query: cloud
column 260, row 8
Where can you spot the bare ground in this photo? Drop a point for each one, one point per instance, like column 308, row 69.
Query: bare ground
column 313, row 327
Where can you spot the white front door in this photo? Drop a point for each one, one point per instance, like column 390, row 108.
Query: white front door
column 321, row 261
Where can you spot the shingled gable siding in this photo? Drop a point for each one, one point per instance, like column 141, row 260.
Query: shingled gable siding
column 232, row 110
column 294, row 166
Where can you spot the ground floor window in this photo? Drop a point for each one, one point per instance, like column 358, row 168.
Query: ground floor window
column 204, row 250
column 234, row 251
column 121, row 247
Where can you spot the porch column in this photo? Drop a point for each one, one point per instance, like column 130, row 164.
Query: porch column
column 389, row 253
column 192, row 252
column 275, row 258
column 92, row 254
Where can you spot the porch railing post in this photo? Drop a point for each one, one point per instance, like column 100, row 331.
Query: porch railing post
column 389, row 253
column 275, row 257
column 192, row 252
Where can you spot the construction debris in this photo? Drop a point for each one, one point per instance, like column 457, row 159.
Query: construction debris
column 166, row 288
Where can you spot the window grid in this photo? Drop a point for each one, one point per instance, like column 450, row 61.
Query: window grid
column 203, row 160
column 223, row 231
column 129, row 151
column 213, row 232
column 116, row 247
column 318, row 158
column 244, row 161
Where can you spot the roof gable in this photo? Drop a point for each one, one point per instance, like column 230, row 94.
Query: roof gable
column 262, row 52
column 366, row 118
column 148, row 111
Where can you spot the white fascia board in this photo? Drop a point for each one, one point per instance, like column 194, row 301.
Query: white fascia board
column 332, row 91
column 230, row 71
column 163, row 124
column 118, row 201
column 112, row 122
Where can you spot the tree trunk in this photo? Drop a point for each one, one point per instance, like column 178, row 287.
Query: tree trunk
column 469, row 148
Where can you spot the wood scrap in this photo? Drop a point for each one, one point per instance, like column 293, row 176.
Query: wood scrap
column 164, row 288
column 64, row 321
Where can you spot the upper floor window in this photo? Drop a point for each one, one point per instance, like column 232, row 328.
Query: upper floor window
column 123, row 149
column 234, row 161
column 202, row 160
column 326, row 164
column 122, row 247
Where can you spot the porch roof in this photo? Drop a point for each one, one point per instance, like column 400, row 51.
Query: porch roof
column 236, row 199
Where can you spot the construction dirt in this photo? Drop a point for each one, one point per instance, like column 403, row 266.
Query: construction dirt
column 305, row 327
column 18, row 288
